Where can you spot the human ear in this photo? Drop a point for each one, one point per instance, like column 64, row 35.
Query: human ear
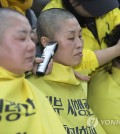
column 44, row 41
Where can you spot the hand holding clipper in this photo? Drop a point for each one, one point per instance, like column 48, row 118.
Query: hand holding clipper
column 47, row 54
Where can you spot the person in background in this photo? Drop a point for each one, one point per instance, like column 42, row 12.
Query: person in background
column 95, row 17
column 64, row 91
column 38, row 6
column 23, row 108
column 104, row 98
column 20, row 5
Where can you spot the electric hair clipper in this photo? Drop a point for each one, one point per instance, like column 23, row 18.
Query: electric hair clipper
column 47, row 54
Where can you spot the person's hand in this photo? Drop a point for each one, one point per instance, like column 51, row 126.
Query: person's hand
column 81, row 77
column 39, row 60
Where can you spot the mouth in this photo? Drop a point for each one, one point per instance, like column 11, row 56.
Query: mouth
column 79, row 54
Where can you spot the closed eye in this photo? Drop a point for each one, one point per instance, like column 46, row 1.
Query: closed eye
column 71, row 38
column 80, row 37
column 22, row 38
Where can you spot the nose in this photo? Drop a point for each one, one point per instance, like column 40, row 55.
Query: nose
column 31, row 45
column 79, row 42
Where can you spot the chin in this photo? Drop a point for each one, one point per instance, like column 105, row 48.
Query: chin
column 76, row 63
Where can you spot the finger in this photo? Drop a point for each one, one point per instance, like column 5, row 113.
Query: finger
column 81, row 77
column 49, row 68
column 38, row 60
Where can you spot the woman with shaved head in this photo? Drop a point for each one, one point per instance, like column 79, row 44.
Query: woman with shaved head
column 23, row 108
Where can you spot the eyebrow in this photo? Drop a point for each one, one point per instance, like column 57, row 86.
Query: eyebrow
column 25, row 31
column 72, row 31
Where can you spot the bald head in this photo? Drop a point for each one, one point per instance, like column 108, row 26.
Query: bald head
column 49, row 21
column 7, row 16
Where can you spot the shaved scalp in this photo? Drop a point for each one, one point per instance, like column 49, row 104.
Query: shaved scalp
column 49, row 21
column 6, row 17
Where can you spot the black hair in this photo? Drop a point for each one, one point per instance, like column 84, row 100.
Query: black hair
column 67, row 5
column 112, row 38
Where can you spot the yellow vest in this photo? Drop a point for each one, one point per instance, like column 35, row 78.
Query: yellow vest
column 24, row 109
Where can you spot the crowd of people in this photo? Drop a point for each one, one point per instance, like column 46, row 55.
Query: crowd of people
column 79, row 92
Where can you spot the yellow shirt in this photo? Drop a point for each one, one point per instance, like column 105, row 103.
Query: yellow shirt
column 24, row 109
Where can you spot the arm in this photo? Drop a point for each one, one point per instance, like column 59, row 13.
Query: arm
column 108, row 54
